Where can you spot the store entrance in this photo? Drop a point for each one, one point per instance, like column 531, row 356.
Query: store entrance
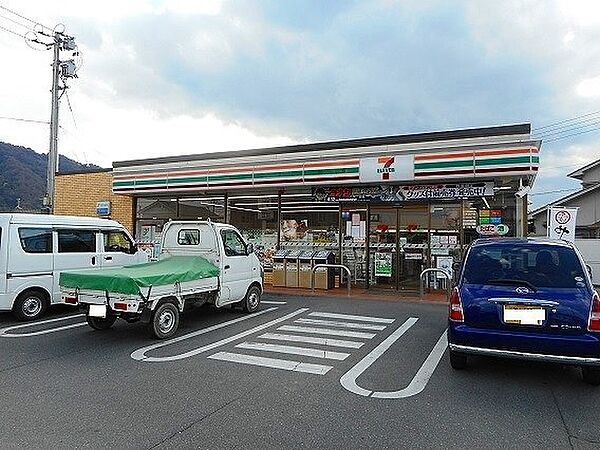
column 398, row 238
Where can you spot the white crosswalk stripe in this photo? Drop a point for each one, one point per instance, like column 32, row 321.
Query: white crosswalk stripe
column 351, row 317
column 332, row 323
column 298, row 338
column 312, row 340
column 285, row 364
column 328, row 331
column 292, row 350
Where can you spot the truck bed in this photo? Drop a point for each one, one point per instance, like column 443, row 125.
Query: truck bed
column 137, row 279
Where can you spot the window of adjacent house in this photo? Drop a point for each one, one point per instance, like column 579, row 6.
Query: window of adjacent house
column 36, row 240
column 76, row 241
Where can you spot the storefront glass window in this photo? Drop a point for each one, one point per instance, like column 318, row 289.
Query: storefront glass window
column 309, row 223
column 256, row 218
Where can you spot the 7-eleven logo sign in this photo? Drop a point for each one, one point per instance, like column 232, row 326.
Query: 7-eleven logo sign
column 385, row 166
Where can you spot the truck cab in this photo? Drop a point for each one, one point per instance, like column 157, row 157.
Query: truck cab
column 223, row 246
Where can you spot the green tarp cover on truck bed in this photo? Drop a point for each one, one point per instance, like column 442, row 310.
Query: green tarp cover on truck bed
column 129, row 279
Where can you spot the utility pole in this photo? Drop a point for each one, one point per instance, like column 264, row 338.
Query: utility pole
column 61, row 71
column 53, row 148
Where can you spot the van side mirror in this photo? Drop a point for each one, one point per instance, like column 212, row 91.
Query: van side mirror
column 589, row 270
column 250, row 249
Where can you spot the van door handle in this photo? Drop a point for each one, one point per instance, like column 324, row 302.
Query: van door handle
column 93, row 260
column 227, row 267
column 108, row 258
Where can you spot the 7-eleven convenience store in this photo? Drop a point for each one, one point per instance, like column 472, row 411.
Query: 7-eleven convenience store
column 386, row 207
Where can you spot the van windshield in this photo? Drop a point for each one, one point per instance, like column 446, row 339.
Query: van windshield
column 529, row 265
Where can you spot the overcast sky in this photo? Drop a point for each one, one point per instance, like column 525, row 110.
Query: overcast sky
column 191, row 76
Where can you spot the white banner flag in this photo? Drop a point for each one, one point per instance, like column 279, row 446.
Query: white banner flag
column 561, row 223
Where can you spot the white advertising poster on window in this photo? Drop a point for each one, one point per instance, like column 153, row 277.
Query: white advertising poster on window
column 444, row 263
column 386, row 168
column 561, row 223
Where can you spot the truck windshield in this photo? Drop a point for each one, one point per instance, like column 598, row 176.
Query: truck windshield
column 529, row 265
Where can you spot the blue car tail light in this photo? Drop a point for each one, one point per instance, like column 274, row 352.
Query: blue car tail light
column 455, row 312
column 594, row 322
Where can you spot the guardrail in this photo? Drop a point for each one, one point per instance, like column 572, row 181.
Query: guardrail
column 442, row 271
column 333, row 266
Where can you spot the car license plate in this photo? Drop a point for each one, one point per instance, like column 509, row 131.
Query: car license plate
column 97, row 311
column 524, row 315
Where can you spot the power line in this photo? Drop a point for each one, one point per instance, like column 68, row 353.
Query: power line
column 575, row 127
column 34, row 22
column 571, row 135
column 12, row 32
column 553, row 125
column 15, row 22
column 563, row 128
column 19, row 119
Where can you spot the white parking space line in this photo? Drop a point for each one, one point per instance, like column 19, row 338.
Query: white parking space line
column 351, row 317
column 292, row 350
column 419, row 381
column 348, row 380
column 284, row 364
column 423, row 375
column 272, row 302
column 312, row 340
column 140, row 354
column 4, row 332
column 327, row 331
column 332, row 323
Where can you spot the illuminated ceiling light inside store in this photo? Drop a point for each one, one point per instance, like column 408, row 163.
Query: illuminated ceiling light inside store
column 502, row 188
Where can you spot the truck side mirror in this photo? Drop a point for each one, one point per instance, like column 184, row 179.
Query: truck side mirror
column 250, row 249
column 589, row 270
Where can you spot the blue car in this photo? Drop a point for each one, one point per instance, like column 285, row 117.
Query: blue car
column 527, row 299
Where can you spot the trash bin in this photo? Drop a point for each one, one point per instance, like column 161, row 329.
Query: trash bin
column 324, row 276
column 291, row 268
column 305, row 262
column 279, row 268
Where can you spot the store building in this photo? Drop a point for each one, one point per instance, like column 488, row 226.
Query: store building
column 386, row 207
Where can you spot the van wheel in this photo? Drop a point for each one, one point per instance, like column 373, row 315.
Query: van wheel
column 458, row 361
column 101, row 323
column 591, row 375
column 252, row 300
column 30, row 305
column 165, row 321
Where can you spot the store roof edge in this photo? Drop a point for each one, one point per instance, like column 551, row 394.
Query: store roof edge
column 501, row 130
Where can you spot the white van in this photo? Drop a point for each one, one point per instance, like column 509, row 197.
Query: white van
column 34, row 249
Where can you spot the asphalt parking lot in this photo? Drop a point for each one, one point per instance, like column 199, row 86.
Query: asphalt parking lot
column 302, row 372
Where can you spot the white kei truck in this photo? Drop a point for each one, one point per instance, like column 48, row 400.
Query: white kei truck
column 200, row 262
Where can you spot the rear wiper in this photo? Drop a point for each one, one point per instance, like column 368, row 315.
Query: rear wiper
column 513, row 282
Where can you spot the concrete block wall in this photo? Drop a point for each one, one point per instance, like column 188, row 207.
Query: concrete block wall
column 77, row 195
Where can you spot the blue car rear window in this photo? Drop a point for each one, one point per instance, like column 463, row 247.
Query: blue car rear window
column 534, row 264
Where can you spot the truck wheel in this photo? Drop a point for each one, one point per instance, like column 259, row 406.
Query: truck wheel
column 30, row 305
column 252, row 300
column 165, row 321
column 101, row 323
column 458, row 361
column 591, row 375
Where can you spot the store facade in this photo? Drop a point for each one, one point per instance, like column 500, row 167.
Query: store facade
column 385, row 207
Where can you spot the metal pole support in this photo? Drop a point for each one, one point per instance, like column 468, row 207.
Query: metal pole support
column 434, row 269
column 333, row 266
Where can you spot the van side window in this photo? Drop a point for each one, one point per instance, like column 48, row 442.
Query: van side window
column 76, row 241
column 36, row 240
column 188, row 237
column 233, row 243
column 117, row 241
